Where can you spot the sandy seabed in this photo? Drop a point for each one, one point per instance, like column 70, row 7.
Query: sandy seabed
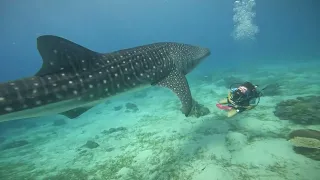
column 150, row 139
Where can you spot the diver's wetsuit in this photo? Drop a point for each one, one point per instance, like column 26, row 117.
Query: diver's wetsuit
column 241, row 101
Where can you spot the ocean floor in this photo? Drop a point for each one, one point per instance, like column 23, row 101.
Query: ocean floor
column 144, row 136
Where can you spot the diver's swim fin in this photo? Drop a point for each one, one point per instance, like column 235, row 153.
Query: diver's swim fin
column 223, row 107
column 232, row 112
column 223, row 101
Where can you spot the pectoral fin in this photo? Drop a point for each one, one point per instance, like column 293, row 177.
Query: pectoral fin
column 74, row 113
column 178, row 83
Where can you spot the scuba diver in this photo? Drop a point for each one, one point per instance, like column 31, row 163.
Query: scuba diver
column 244, row 97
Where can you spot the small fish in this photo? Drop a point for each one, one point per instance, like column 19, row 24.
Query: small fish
column 73, row 79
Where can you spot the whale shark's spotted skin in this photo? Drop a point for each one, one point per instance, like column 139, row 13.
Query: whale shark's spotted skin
column 72, row 78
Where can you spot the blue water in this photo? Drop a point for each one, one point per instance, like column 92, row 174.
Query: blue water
column 288, row 31
column 288, row 35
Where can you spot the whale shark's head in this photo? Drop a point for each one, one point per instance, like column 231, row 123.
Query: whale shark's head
column 189, row 56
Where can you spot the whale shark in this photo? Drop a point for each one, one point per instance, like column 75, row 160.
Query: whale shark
column 73, row 79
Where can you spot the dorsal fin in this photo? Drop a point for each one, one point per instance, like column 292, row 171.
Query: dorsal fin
column 61, row 55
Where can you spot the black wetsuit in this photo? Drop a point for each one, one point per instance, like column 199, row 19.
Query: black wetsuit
column 243, row 101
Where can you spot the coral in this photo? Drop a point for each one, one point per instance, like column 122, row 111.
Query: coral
column 115, row 133
column 114, row 130
column 110, row 149
column 306, row 142
column 302, row 110
column 308, row 133
column 117, row 108
column 91, row 145
column 130, row 107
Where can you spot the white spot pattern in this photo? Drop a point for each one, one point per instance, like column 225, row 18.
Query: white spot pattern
column 9, row 109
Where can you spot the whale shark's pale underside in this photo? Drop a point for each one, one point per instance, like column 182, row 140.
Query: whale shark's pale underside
column 73, row 79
